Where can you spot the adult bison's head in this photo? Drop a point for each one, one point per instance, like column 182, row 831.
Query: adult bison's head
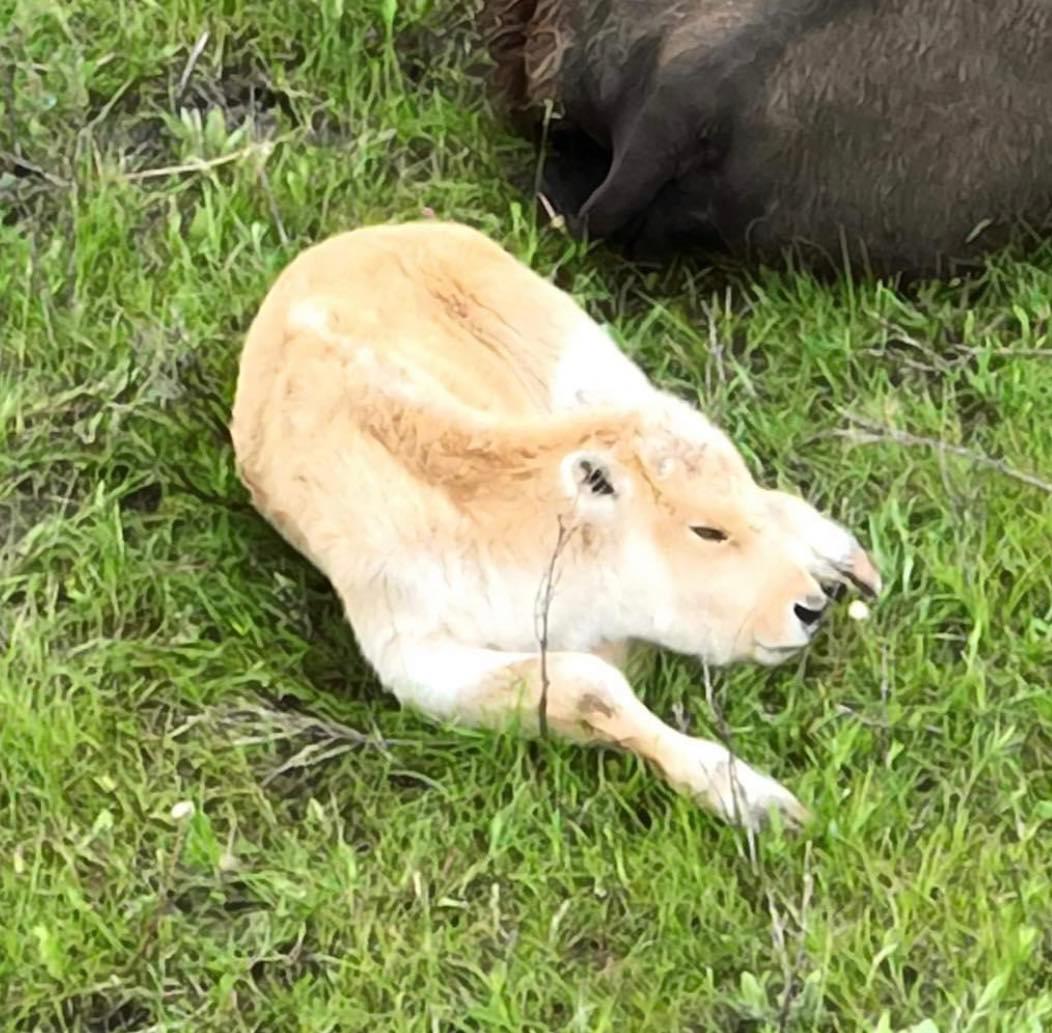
column 643, row 99
column 703, row 559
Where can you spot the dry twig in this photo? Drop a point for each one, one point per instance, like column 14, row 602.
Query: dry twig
column 249, row 724
column 1005, row 353
column 165, row 879
column 27, row 166
column 195, row 53
column 724, row 732
column 263, row 149
column 793, row 973
column 865, row 432
column 544, row 605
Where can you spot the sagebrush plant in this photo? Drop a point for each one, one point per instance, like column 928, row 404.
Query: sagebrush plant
column 347, row 865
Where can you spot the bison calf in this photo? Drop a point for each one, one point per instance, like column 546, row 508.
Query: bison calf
column 450, row 438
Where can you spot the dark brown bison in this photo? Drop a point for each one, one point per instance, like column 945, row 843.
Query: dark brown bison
column 903, row 135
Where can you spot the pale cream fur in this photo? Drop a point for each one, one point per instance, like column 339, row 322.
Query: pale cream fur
column 419, row 414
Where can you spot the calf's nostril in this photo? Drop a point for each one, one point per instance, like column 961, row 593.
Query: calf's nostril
column 834, row 590
column 806, row 615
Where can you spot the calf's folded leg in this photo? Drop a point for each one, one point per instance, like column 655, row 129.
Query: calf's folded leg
column 589, row 701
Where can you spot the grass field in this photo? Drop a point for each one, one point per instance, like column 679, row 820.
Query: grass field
column 349, row 866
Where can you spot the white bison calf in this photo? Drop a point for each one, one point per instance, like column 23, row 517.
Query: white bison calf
column 426, row 419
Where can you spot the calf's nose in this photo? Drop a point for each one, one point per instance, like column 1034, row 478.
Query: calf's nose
column 862, row 573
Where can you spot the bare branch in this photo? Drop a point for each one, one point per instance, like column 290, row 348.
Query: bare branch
column 791, row 970
column 259, row 724
column 27, row 166
column 791, row 990
column 165, row 879
column 1006, row 353
column 555, row 220
column 866, row 432
column 195, row 53
column 263, row 149
column 724, row 732
column 272, row 203
column 543, row 608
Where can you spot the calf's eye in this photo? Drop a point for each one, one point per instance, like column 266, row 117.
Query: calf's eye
column 710, row 534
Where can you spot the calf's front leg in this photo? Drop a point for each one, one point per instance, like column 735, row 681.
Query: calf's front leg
column 588, row 701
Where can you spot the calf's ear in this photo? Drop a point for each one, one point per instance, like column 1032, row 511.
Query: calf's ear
column 594, row 480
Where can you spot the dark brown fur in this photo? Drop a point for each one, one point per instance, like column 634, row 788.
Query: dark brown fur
column 903, row 135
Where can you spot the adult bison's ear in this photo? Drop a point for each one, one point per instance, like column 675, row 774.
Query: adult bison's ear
column 674, row 128
column 643, row 162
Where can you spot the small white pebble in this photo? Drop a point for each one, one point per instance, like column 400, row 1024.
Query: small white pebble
column 857, row 610
column 183, row 809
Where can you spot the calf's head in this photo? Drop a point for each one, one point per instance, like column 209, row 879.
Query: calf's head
column 702, row 559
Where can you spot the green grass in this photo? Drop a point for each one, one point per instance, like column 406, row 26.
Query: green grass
column 159, row 644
